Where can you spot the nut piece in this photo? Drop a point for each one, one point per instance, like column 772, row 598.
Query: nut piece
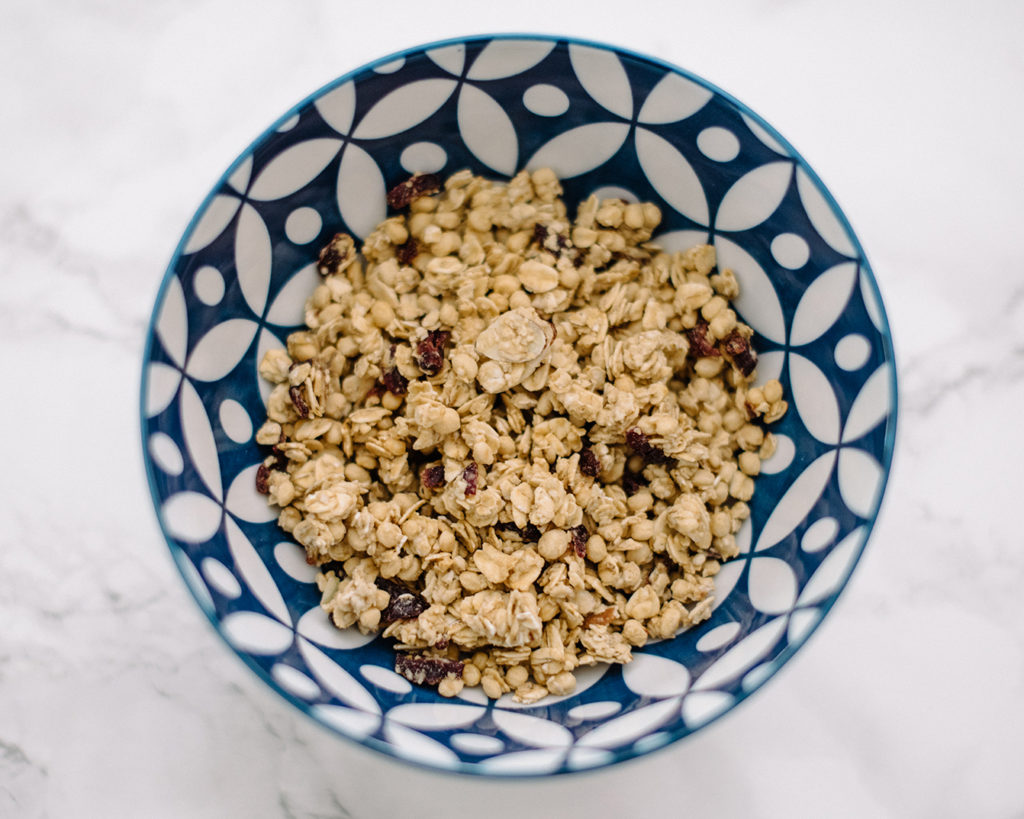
column 518, row 336
column 538, row 277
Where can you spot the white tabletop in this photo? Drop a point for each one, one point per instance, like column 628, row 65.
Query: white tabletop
column 117, row 698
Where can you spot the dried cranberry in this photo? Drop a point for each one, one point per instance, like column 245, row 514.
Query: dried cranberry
column 432, row 477
column 394, row 382
column 531, row 534
column 426, row 670
column 578, row 536
column 403, row 603
column 414, row 187
column 738, row 349
column 470, row 475
column 507, row 527
column 329, row 259
column 699, row 343
column 429, row 355
column 540, row 234
column 299, row 401
column 417, row 457
column 633, row 482
column 280, row 459
column 337, row 255
column 589, row 464
column 406, row 252
column 637, row 441
column 642, row 446
column 262, row 474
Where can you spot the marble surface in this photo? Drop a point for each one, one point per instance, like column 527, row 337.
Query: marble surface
column 117, row 698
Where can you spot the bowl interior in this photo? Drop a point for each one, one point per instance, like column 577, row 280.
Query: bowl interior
column 606, row 121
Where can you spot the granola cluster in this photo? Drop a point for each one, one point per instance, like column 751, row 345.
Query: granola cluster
column 515, row 442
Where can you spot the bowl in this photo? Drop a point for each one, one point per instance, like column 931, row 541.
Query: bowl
column 606, row 120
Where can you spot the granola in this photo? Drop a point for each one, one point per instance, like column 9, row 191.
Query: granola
column 516, row 443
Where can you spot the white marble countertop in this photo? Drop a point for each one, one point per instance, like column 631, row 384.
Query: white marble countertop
column 117, row 698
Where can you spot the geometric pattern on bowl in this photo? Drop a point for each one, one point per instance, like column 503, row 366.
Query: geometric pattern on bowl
column 605, row 120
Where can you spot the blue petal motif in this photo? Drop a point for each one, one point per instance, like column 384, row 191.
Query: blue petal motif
column 602, row 76
column 487, row 131
column 294, row 168
column 823, row 303
column 754, row 197
column 581, row 149
column 361, row 192
column 199, row 440
column 672, row 176
column 404, row 108
column 674, row 98
column 506, row 58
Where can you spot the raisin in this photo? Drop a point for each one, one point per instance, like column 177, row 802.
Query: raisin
column 412, row 188
column 738, row 349
column 394, row 382
column 699, row 343
column 330, row 258
column 531, row 534
column 633, row 482
column 426, row 670
column 299, row 401
column 470, row 475
column 507, row 527
column 432, row 477
column 337, row 255
column 637, row 441
column 261, row 479
column 642, row 446
column 540, row 234
column 578, row 536
column 599, row 618
column 589, row 465
column 406, row 252
column 280, row 459
column 429, row 355
column 417, row 457
column 403, row 603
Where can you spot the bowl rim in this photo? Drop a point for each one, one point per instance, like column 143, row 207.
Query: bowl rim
column 621, row 755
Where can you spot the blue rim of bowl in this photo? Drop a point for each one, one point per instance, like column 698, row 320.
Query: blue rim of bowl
column 622, row 755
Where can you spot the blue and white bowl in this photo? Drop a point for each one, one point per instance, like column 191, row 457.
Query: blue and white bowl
column 606, row 120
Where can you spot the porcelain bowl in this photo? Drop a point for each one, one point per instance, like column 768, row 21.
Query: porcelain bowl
column 605, row 120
